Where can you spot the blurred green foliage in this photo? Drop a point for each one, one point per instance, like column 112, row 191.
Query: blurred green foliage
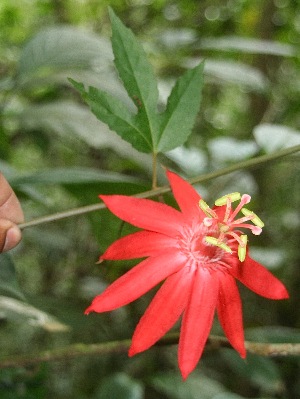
column 58, row 156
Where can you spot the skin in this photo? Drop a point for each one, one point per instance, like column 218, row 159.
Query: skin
column 10, row 215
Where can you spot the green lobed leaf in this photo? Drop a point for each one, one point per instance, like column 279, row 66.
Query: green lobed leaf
column 182, row 108
column 147, row 130
column 137, row 75
column 112, row 111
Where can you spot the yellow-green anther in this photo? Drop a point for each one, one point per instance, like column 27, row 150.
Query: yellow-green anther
column 217, row 243
column 205, row 208
column 254, row 218
column 223, row 200
column 203, row 205
column 242, row 248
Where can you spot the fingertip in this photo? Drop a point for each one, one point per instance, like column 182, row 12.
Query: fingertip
column 10, row 238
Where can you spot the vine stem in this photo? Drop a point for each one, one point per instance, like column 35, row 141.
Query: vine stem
column 250, row 163
column 78, row 350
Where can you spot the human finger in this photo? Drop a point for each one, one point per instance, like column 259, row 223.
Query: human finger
column 10, row 207
column 10, row 235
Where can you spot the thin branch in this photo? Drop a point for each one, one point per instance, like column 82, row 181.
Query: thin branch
column 65, row 353
column 80, row 350
column 250, row 163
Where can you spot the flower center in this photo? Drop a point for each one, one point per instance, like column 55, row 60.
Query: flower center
column 198, row 251
column 226, row 226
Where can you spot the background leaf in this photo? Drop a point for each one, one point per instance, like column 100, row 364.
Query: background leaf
column 74, row 175
column 120, row 386
column 9, row 285
column 24, row 312
column 248, row 45
column 62, row 47
column 274, row 334
column 67, row 119
column 225, row 149
column 171, row 385
column 70, row 120
column 235, row 72
column 273, row 137
column 197, row 159
column 261, row 371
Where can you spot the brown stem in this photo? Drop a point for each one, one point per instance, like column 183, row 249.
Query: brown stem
column 78, row 350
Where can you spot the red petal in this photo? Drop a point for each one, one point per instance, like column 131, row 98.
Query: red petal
column 144, row 213
column 137, row 281
column 197, row 320
column 186, row 196
column 220, row 211
column 163, row 312
column 230, row 313
column 138, row 245
column 258, row 279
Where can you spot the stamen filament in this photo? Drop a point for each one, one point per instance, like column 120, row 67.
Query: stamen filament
column 235, row 236
column 241, row 220
column 228, row 209
column 254, row 229
column 244, row 200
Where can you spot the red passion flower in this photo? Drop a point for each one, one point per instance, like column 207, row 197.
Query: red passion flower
column 198, row 252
